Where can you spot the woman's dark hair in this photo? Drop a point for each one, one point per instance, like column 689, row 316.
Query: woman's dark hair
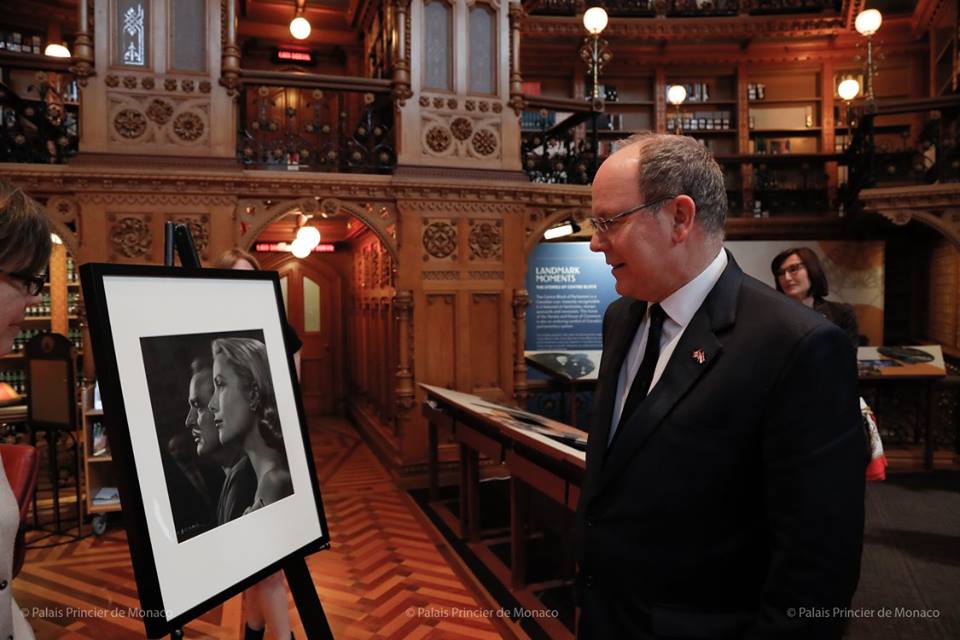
column 248, row 357
column 818, row 280
column 235, row 255
column 24, row 232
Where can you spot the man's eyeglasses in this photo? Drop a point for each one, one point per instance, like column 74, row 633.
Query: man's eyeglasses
column 31, row 285
column 602, row 225
column 793, row 269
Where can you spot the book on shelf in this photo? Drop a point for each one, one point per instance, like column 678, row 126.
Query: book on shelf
column 100, row 446
column 106, row 495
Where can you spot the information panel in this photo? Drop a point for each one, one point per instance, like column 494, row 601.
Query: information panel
column 570, row 288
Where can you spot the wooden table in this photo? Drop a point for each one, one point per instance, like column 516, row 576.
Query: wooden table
column 877, row 367
column 515, row 438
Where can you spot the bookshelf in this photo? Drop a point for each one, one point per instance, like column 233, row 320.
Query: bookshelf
column 99, row 474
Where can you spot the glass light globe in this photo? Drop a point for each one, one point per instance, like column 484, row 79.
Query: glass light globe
column 595, row 20
column 868, row 22
column 300, row 249
column 848, row 89
column 676, row 94
column 55, row 239
column 309, row 236
column 300, row 28
column 56, row 51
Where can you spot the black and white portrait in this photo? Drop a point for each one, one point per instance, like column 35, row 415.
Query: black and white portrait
column 217, row 426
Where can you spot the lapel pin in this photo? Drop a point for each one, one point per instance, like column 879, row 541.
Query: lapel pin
column 698, row 356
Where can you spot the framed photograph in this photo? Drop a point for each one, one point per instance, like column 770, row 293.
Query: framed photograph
column 202, row 409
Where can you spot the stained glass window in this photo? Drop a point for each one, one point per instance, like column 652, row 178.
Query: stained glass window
column 131, row 36
column 437, row 50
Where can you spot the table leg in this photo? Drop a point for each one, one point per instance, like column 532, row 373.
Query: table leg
column 518, row 534
column 433, row 465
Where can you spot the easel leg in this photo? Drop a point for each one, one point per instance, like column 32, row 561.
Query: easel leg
column 308, row 603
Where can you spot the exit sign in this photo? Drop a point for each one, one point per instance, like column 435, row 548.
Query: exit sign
column 285, row 55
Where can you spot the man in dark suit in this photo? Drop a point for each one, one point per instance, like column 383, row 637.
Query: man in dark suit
column 723, row 495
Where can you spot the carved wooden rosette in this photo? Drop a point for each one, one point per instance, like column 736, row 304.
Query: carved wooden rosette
column 521, row 300
column 403, row 310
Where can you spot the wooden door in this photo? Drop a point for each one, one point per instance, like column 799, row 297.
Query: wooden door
column 312, row 298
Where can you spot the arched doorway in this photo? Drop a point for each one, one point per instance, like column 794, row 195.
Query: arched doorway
column 313, row 296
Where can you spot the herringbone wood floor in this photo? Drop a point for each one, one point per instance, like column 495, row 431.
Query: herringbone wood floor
column 386, row 561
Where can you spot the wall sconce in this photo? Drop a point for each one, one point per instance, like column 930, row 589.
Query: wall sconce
column 676, row 94
column 567, row 228
column 867, row 24
column 300, row 26
column 595, row 52
column 56, row 47
column 848, row 89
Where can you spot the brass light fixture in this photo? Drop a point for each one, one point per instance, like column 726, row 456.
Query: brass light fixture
column 300, row 26
column 676, row 94
column 867, row 24
column 595, row 52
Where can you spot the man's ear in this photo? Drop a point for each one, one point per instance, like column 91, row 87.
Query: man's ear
column 684, row 216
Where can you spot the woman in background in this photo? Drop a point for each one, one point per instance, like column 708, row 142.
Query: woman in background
column 264, row 604
column 798, row 274
column 24, row 254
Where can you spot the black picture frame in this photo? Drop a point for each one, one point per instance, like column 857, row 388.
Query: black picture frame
column 298, row 525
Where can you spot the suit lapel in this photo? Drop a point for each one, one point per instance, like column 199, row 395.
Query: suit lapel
column 682, row 372
column 616, row 345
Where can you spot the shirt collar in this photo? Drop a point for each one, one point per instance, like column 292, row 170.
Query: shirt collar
column 683, row 303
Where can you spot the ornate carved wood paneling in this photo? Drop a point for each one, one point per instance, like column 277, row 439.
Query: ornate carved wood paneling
column 486, row 240
column 131, row 237
column 440, row 360
column 440, row 240
column 485, row 338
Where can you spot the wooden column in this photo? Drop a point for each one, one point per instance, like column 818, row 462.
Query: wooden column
column 520, row 302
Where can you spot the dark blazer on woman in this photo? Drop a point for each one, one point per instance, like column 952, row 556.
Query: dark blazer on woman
column 841, row 315
column 731, row 504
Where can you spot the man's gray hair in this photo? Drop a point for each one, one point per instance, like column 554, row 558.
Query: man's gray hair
column 672, row 165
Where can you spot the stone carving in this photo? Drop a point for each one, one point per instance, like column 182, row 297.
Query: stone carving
column 159, row 111
column 497, row 107
column 187, row 86
column 130, row 236
column 486, row 275
column 147, row 83
column 451, row 103
column 486, row 242
column 484, row 107
column 170, row 84
column 470, row 105
column 204, row 86
column 440, row 239
column 438, row 103
column 130, row 123
column 111, row 81
column 130, row 82
column 64, row 208
column 461, row 128
column 484, row 142
column 424, row 101
column 438, row 139
column 188, row 126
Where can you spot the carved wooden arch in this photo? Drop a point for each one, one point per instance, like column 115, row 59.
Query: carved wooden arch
column 550, row 220
column 935, row 205
column 276, row 211
column 946, row 224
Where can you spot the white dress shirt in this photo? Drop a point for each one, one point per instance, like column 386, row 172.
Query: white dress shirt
column 680, row 307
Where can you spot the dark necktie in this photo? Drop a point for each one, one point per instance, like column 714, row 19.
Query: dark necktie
column 641, row 382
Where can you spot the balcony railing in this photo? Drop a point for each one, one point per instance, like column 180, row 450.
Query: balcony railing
column 904, row 143
column 559, row 140
column 309, row 122
column 42, row 126
column 686, row 8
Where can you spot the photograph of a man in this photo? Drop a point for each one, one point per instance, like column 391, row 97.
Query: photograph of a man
column 724, row 482
column 240, row 481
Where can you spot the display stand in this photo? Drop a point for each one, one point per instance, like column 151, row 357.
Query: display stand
column 177, row 239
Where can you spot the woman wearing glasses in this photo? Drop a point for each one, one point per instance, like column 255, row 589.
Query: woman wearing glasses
column 24, row 254
column 798, row 274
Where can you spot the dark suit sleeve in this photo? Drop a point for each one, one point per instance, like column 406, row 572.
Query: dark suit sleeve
column 813, row 487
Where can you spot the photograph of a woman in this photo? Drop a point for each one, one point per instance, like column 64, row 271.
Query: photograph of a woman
column 245, row 411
